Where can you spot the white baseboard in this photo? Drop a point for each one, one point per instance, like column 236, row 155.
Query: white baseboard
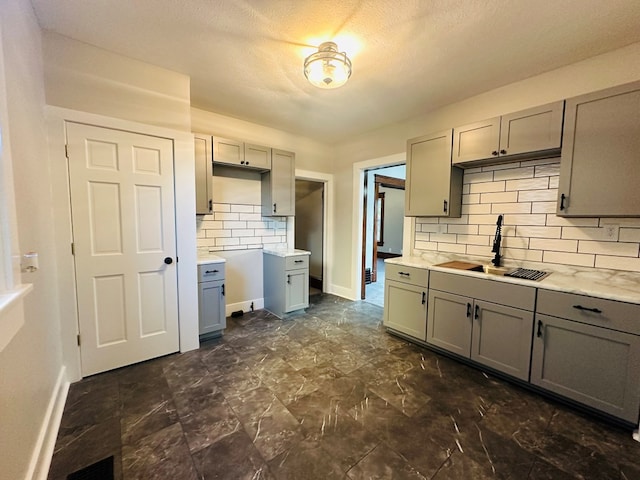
column 43, row 450
column 258, row 304
column 347, row 293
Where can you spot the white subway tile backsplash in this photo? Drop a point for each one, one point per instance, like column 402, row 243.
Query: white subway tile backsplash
column 549, row 195
column 513, row 174
column 501, row 197
column 554, row 245
column 526, row 194
column 487, row 187
column 239, row 227
column 608, row 248
column 578, row 259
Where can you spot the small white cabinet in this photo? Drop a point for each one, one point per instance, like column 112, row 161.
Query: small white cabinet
column 204, row 174
column 286, row 281
column 535, row 132
column 211, row 298
column 487, row 321
column 433, row 188
column 405, row 300
column 278, row 186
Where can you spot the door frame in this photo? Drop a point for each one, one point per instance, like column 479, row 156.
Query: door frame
column 327, row 223
column 359, row 169
column 385, row 182
column 63, row 266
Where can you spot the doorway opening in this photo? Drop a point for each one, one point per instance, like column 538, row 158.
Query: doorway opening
column 309, row 229
column 382, row 227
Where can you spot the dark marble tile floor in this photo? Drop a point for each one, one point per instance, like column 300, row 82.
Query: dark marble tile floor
column 327, row 394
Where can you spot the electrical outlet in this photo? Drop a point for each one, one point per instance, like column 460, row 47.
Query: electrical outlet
column 611, row 231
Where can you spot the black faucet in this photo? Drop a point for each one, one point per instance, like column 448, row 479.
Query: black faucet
column 496, row 242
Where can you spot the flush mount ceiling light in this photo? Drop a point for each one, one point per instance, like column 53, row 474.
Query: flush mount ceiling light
column 327, row 68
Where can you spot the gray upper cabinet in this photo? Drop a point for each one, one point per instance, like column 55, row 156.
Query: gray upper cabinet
column 600, row 166
column 237, row 153
column 278, row 186
column 204, row 174
column 433, row 187
column 532, row 133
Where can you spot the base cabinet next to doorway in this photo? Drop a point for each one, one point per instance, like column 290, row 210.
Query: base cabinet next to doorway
column 405, row 300
column 286, row 281
column 211, row 298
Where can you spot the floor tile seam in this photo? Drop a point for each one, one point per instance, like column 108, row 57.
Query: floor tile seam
column 351, row 467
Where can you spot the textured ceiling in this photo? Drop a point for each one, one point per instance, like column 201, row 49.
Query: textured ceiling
column 245, row 57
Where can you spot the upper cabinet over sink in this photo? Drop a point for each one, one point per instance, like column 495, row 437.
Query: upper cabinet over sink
column 600, row 165
column 532, row 133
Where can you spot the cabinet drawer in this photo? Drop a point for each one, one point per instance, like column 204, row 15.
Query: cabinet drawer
column 210, row 271
column 296, row 262
column 624, row 317
column 517, row 296
column 412, row 275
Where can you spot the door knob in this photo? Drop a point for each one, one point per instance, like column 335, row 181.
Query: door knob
column 168, row 260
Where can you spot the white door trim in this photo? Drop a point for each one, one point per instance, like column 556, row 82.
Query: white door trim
column 356, row 227
column 327, row 225
column 185, row 227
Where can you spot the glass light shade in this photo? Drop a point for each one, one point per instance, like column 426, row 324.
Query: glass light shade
column 327, row 68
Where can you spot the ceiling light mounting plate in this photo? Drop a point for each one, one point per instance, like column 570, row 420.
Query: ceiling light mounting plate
column 327, row 68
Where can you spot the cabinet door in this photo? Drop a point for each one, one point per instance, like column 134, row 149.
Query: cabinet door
column 476, row 141
column 257, row 156
column 501, row 338
column 228, row 151
column 405, row 308
column 533, row 130
column 449, row 322
column 296, row 290
column 592, row 365
column 599, row 170
column 204, row 174
column 278, row 186
column 211, row 307
column 433, row 187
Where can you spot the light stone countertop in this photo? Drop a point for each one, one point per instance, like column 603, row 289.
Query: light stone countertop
column 610, row 284
column 206, row 258
column 285, row 252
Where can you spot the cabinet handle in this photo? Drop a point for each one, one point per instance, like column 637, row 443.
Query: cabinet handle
column 298, row 261
column 223, row 289
column 274, row 208
column 424, row 298
column 445, row 206
column 211, row 271
column 289, row 279
column 539, row 333
column 503, row 152
column 246, row 163
column 562, row 198
column 494, row 153
column 210, row 205
column 468, row 310
column 587, row 309
column 404, row 274
column 477, row 312
column 241, row 162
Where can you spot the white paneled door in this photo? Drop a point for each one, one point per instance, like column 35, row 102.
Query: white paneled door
column 122, row 205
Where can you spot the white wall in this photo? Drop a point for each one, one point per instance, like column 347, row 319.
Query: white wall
column 613, row 68
column 309, row 221
column 32, row 363
column 82, row 77
column 393, row 220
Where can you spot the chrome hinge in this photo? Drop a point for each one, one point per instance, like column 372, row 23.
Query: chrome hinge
column 78, row 337
column 73, row 249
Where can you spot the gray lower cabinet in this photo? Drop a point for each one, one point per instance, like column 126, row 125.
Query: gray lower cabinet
column 211, row 299
column 588, row 350
column 405, row 300
column 286, row 283
column 487, row 321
